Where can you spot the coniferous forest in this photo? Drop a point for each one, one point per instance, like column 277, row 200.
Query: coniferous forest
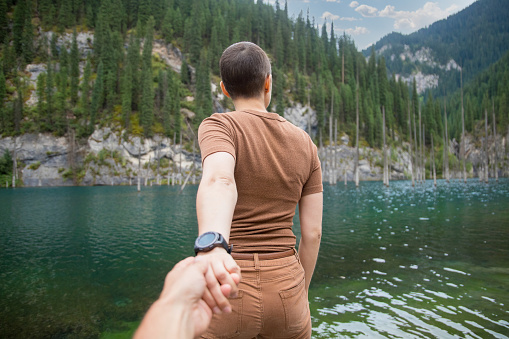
column 121, row 83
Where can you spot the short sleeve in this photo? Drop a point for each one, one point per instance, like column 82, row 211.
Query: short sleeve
column 216, row 135
column 314, row 183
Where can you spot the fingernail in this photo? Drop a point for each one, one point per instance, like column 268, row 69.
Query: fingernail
column 227, row 309
column 234, row 295
column 216, row 310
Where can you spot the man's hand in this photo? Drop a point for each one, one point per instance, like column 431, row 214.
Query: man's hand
column 222, row 277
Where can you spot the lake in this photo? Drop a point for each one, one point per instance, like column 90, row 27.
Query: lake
column 397, row 262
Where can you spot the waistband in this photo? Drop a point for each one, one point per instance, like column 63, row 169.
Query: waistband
column 264, row 256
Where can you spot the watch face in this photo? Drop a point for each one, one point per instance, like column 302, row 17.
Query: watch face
column 206, row 239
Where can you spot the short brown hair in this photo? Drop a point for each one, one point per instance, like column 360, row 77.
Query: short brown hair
column 244, row 67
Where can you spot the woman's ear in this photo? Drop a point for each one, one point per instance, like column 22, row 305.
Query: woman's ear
column 225, row 92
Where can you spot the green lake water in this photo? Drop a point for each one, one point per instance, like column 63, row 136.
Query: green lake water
column 398, row 262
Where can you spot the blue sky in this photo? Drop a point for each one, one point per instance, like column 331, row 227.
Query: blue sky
column 367, row 21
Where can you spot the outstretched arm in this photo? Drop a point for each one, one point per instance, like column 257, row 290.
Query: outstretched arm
column 310, row 215
column 215, row 203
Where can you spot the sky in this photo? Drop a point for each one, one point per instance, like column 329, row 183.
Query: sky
column 367, row 21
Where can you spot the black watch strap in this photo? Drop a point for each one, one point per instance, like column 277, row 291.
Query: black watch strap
column 210, row 240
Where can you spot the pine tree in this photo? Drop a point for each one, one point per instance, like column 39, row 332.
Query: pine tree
column 4, row 24
column 184, row 72
column 97, row 96
column 147, row 93
column 177, row 117
column 203, row 97
column 3, row 113
column 41, row 86
column 75, row 70
column 85, row 90
column 127, row 93
column 18, row 105
column 49, row 96
column 133, row 60
column 19, row 20
column 53, row 46
column 167, row 107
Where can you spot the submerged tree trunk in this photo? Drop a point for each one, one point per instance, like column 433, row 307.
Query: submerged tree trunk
column 446, row 146
column 410, row 145
column 495, row 166
column 423, row 155
column 415, row 151
column 462, row 147
column 486, row 172
column 385, row 175
column 139, row 170
column 433, row 160
column 356, row 174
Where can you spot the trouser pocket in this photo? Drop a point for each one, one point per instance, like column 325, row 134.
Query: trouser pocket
column 296, row 306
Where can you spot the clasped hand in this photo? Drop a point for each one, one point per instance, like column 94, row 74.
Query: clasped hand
column 222, row 279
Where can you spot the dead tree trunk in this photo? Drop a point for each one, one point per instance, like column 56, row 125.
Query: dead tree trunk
column 446, row 146
column 433, row 157
column 410, row 145
column 357, row 133
column 462, row 147
column 423, row 153
column 486, row 172
column 416, row 157
column 14, row 166
column 495, row 160
column 139, row 169
column 385, row 175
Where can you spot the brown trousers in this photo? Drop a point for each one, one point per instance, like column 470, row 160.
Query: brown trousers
column 272, row 302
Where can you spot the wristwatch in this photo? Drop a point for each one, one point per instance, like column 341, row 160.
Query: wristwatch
column 208, row 241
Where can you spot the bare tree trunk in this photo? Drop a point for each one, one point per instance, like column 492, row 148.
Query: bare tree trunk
column 158, row 181
column 416, row 161
column 420, row 147
column 410, row 145
column 335, row 158
column 14, row 166
column 386, row 176
column 462, row 148
column 486, row 172
column 446, row 146
column 357, row 134
column 495, row 166
column 433, row 157
column 139, row 170
column 423, row 155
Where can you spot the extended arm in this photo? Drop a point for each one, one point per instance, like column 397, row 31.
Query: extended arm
column 215, row 203
column 310, row 214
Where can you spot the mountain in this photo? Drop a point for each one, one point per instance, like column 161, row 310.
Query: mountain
column 473, row 38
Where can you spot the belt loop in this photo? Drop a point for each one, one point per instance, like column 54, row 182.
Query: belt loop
column 297, row 255
column 256, row 262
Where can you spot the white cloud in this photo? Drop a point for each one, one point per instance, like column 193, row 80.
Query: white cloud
column 348, row 19
column 329, row 15
column 367, row 11
column 338, row 1
column 354, row 4
column 357, row 30
column 419, row 18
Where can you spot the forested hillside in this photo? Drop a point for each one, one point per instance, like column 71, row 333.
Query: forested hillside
column 473, row 39
column 488, row 91
column 120, row 83
column 117, row 80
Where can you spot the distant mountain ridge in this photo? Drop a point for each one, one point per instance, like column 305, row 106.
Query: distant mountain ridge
column 473, row 38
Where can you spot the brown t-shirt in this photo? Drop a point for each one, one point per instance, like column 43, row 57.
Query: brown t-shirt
column 276, row 163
